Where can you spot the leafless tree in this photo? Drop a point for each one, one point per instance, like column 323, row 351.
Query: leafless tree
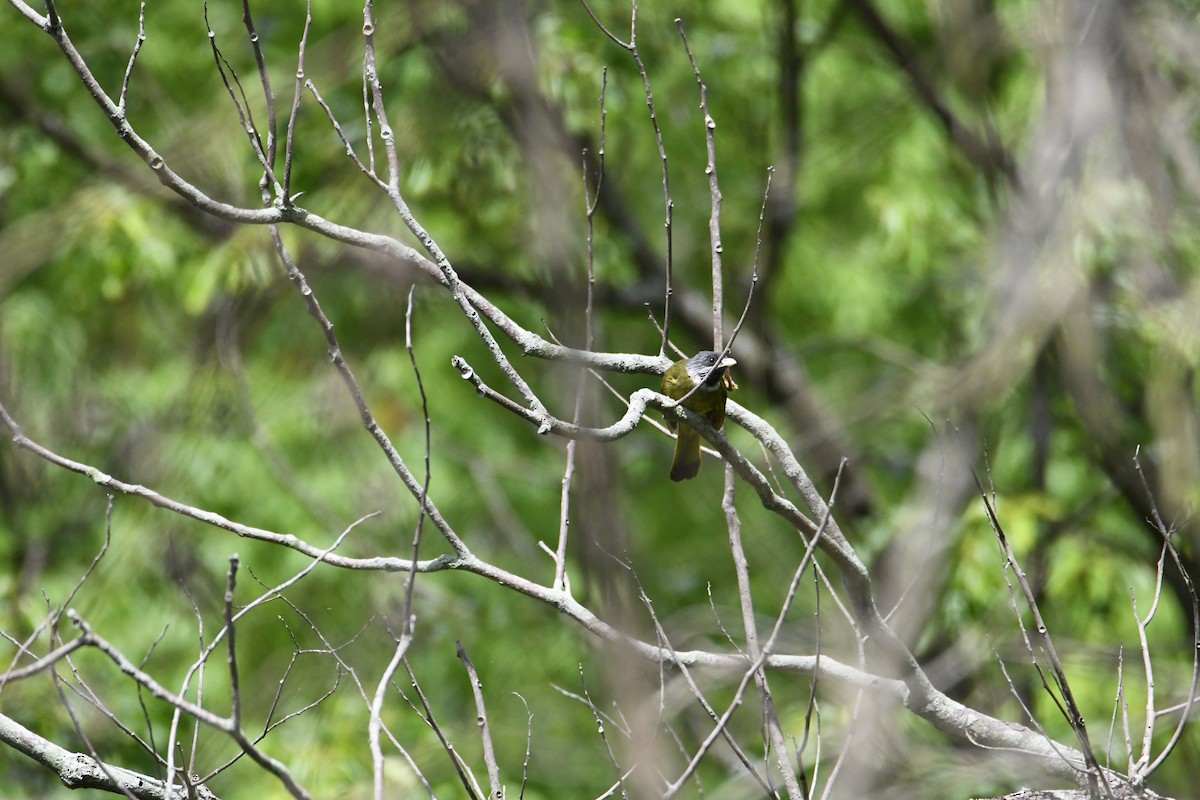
column 1100, row 98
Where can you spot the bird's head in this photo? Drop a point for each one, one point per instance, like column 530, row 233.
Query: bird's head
column 707, row 367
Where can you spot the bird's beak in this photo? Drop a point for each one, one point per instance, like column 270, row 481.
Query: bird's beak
column 727, row 379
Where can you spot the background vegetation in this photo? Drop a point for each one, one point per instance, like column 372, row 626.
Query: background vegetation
column 979, row 253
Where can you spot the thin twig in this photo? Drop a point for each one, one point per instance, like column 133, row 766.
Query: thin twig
column 1143, row 624
column 586, row 697
column 528, row 746
column 275, row 767
column 485, row 733
column 770, row 719
column 668, row 203
column 376, row 721
column 698, row 694
column 1095, row 776
column 137, row 48
column 348, row 669
column 1169, row 545
column 289, row 149
column 235, row 690
column 465, row 777
column 264, row 78
column 241, row 103
column 410, row 581
column 714, row 220
column 590, row 202
column 373, row 90
column 337, row 129
column 206, row 651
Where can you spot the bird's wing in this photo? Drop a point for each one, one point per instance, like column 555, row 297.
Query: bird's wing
column 717, row 415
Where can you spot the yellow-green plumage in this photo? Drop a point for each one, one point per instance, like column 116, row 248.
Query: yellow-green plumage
column 708, row 369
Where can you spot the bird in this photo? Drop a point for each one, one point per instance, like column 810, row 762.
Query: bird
column 708, row 369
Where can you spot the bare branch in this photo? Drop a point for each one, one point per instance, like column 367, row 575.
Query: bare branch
column 485, row 733
column 216, row 520
column 714, row 220
column 1094, row 774
column 376, row 722
column 137, row 48
column 81, row 771
column 276, row 768
column 301, row 81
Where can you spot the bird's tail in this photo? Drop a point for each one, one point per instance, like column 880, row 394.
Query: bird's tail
column 687, row 454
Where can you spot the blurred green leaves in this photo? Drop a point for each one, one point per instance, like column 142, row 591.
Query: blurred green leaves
column 175, row 353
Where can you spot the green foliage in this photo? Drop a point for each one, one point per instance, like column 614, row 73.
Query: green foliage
column 177, row 355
